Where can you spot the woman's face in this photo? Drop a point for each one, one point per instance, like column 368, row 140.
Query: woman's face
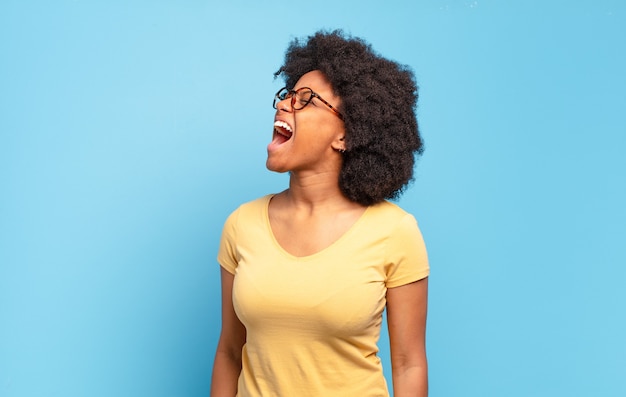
column 307, row 139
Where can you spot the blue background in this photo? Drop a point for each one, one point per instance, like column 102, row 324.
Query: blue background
column 130, row 130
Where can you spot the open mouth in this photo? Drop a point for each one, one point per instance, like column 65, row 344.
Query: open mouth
column 282, row 132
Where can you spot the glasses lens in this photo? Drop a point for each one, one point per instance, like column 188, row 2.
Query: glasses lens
column 303, row 97
column 281, row 95
column 299, row 98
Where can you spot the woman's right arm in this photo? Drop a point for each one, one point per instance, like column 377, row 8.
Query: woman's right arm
column 227, row 363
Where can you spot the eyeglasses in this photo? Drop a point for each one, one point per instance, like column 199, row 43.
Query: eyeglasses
column 300, row 98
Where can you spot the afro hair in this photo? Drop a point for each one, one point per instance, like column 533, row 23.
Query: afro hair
column 378, row 103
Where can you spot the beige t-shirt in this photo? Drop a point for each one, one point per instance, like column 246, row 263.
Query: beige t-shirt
column 313, row 322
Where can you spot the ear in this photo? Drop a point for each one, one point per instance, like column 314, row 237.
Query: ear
column 339, row 144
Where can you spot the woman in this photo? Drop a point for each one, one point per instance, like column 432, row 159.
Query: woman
column 306, row 273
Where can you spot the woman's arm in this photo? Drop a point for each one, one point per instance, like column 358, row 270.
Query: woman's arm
column 406, row 319
column 227, row 364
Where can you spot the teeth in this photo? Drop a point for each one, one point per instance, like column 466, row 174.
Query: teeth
column 283, row 125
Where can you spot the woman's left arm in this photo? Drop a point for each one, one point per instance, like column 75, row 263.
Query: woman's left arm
column 406, row 319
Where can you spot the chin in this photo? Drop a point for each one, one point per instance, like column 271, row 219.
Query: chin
column 274, row 167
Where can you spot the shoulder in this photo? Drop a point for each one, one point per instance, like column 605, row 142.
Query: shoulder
column 256, row 204
column 405, row 251
column 390, row 221
column 251, row 207
column 250, row 212
column 388, row 213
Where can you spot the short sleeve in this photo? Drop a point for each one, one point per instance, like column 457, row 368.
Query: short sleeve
column 227, row 254
column 407, row 260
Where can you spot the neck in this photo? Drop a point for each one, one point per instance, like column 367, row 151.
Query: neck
column 317, row 191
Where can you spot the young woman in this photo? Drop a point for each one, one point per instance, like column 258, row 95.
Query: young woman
column 307, row 272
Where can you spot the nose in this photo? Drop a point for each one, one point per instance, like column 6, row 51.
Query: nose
column 285, row 105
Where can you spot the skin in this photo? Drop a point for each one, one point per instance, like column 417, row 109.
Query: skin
column 227, row 363
column 314, row 203
column 406, row 321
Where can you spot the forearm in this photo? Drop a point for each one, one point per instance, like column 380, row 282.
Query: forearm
column 410, row 381
column 226, row 370
column 406, row 320
column 227, row 363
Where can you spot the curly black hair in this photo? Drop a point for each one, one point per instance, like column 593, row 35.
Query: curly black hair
column 378, row 102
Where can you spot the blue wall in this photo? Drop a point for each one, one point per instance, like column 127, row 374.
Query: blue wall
column 128, row 132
